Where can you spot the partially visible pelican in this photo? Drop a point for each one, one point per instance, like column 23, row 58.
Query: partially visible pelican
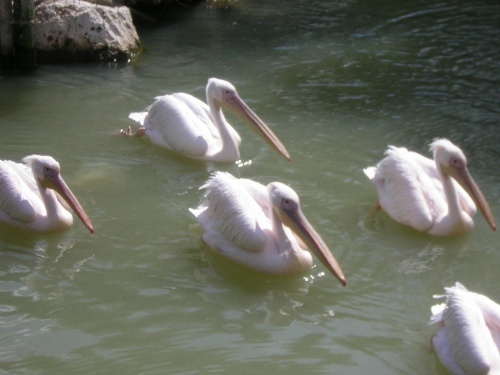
column 33, row 196
column 424, row 193
column 468, row 340
column 184, row 124
column 260, row 227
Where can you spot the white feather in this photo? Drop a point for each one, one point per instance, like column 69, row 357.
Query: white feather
column 233, row 212
column 468, row 327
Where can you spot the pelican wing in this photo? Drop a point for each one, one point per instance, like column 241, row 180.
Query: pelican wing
column 443, row 350
column 179, row 124
column 491, row 314
column 406, row 192
column 19, row 197
column 258, row 192
column 229, row 214
column 200, row 110
column 465, row 344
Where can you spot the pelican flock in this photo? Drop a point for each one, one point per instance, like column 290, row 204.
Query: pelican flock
column 435, row 196
column 468, row 340
column 263, row 227
column 260, row 227
column 184, row 124
column 34, row 196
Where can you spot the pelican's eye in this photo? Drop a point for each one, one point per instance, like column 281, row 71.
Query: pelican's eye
column 288, row 204
column 50, row 171
column 227, row 94
column 456, row 162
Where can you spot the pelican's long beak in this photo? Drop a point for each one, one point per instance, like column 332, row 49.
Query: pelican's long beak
column 57, row 183
column 296, row 221
column 463, row 177
column 239, row 107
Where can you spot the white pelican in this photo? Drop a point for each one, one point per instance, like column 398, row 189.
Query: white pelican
column 424, row 193
column 260, row 227
column 31, row 196
column 468, row 340
column 184, row 124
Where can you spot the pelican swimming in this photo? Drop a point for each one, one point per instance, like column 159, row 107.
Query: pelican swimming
column 260, row 227
column 429, row 195
column 33, row 196
column 468, row 339
column 184, row 124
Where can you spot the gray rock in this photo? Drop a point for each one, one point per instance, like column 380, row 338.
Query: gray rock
column 69, row 30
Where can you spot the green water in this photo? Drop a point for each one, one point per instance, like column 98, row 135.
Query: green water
column 338, row 82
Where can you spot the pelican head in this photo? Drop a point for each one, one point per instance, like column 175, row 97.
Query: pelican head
column 223, row 94
column 451, row 161
column 47, row 172
column 286, row 206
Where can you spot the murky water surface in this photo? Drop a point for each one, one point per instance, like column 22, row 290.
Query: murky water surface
column 338, row 82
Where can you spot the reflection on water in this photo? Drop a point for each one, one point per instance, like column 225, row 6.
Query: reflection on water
column 338, row 82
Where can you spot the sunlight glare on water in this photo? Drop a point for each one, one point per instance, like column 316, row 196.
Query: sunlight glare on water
column 337, row 82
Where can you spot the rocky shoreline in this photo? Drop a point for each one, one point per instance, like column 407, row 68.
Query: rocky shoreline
column 80, row 31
